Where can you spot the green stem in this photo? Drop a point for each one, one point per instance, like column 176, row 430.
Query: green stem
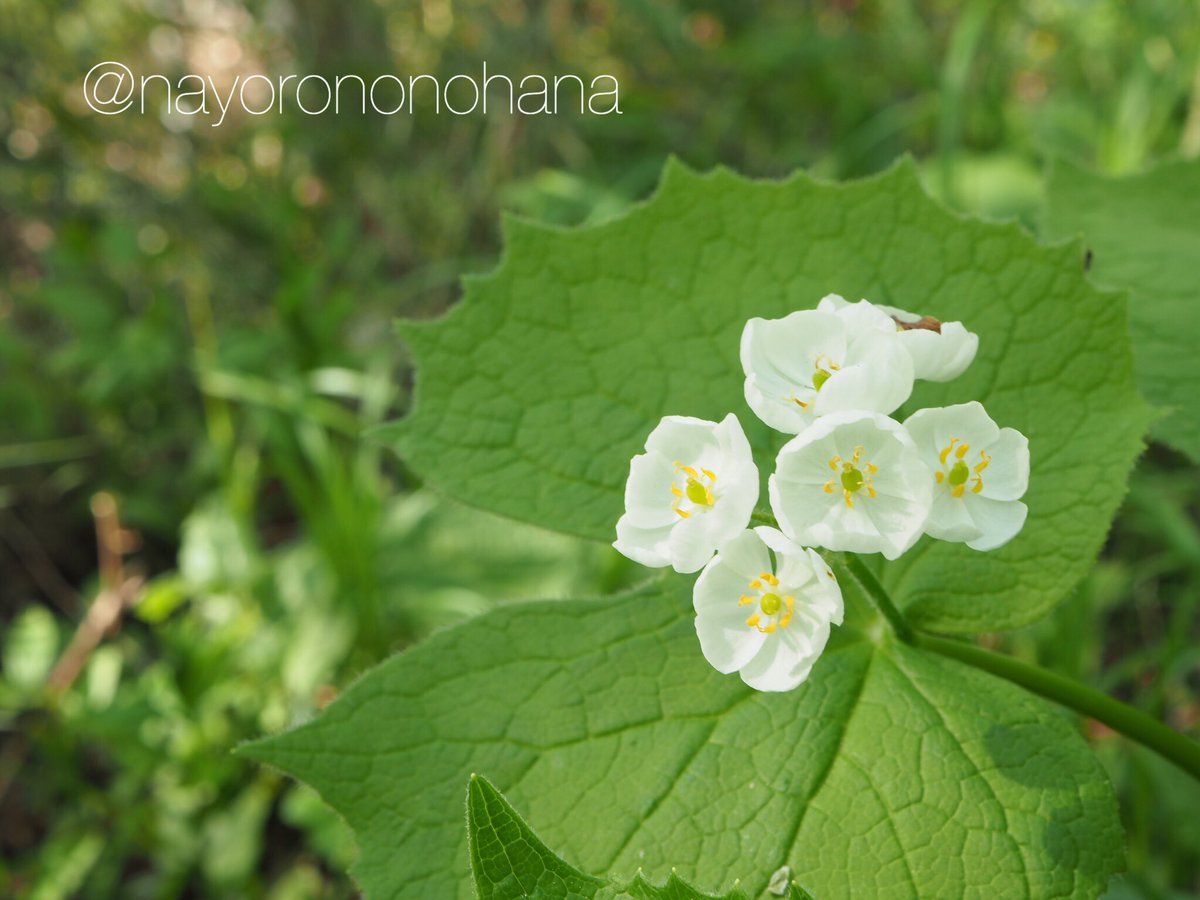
column 1133, row 723
column 1125, row 719
column 878, row 595
column 763, row 518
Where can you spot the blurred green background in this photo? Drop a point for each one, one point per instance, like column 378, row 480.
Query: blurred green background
column 197, row 542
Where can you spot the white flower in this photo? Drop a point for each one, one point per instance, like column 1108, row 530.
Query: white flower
column 852, row 481
column 768, row 621
column 693, row 489
column 940, row 351
column 818, row 361
column 979, row 474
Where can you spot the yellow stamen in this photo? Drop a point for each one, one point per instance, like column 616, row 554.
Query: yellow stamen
column 829, row 486
column 754, row 620
column 940, row 476
column 846, row 495
column 984, row 462
column 745, row 600
column 962, row 450
column 683, row 513
column 769, row 579
column 711, row 475
column 676, row 491
column 756, row 585
column 958, row 490
column 835, row 463
column 946, row 450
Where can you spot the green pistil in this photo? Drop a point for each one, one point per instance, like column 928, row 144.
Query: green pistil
column 696, row 492
column 852, row 479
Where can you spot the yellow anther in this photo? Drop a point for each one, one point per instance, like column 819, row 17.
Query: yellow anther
column 791, row 607
column 944, row 455
column 940, row 476
column 683, row 513
column 858, row 453
column 774, row 611
column 848, row 497
column 835, row 462
column 829, row 486
column 962, row 450
column 978, row 486
column 958, row 490
column 800, row 403
column 676, row 491
column 710, row 475
column 689, row 471
column 871, row 492
column 984, row 461
column 872, row 469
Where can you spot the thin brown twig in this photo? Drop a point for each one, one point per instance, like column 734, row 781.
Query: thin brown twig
column 118, row 591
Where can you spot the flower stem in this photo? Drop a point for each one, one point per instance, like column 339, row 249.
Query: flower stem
column 878, row 595
column 1131, row 722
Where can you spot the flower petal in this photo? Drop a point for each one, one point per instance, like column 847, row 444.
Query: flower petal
column 825, row 595
column 647, row 546
column 1007, row 475
column 786, row 658
column 745, row 556
column 932, row 429
column 682, row 438
column 726, row 641
column 648, row 491
column 879, row 383
column 998, row 520
column 949, row 520
column 690, row 544
column 940, row 357
column 779, row 358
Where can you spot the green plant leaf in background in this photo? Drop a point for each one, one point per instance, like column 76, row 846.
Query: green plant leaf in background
column 891, row 772
column 535, row 391
column 1144, row 234
column 509, row 861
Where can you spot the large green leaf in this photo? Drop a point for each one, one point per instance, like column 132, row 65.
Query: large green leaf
column 509, row 861
column 890, row 773
column 1144, row 234
column 535, row 391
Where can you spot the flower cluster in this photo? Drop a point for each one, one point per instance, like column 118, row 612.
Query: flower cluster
column 852, row 478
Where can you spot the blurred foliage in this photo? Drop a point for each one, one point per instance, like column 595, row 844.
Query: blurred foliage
column 197, row 320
